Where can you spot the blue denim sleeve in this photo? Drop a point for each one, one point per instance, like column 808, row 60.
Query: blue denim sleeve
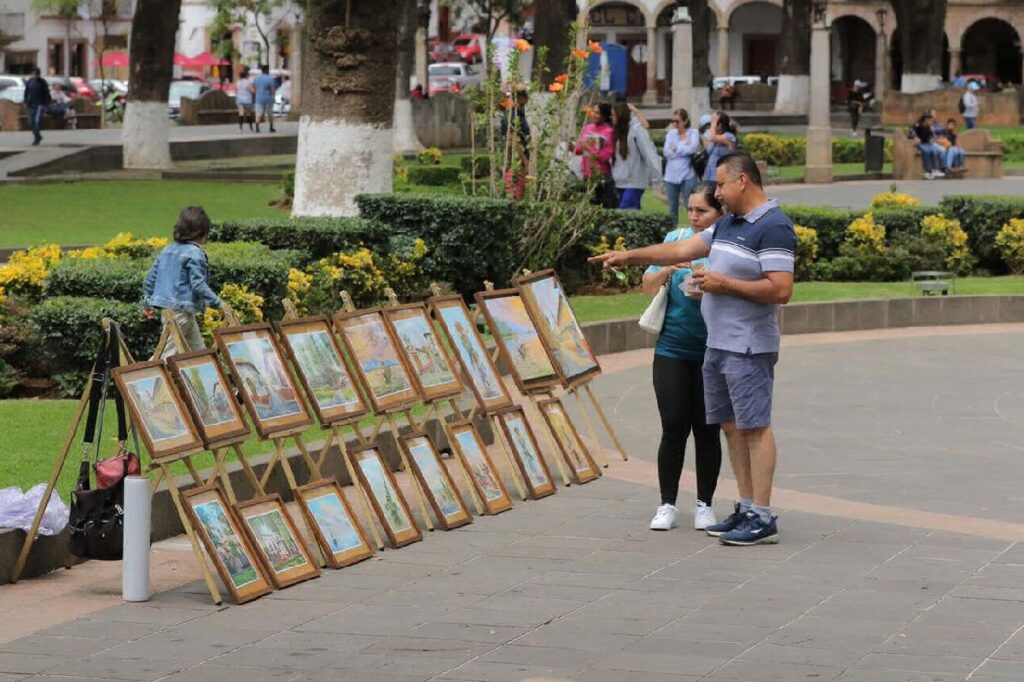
column 198, row 277
column 150, row 282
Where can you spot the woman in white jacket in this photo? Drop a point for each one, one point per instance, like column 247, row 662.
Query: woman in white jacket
column 681, row 142
column 637, row 164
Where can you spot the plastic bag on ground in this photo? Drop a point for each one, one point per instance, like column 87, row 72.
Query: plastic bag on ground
column 17, row 509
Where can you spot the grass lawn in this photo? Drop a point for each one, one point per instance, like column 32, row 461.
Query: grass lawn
column 92, row 212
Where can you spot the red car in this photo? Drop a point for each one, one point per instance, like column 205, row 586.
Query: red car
column 73, row 86
column 441, row 51
column 468, row 47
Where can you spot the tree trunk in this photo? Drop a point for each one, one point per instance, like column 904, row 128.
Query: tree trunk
column 552, row 19
column 421, row 51
column 794, row 88
column 702, row 18
column 405, row 140
column 344, row 145
column 145, row 132
column 921, row 24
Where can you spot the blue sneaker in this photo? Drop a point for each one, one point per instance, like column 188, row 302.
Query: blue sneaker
column 753, row 531
column 730, row 522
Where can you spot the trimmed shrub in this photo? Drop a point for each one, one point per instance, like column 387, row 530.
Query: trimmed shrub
column 775, row 150
column 634, row 227
column 903, row 219
column 950, row 240
column 433, row 176
column 1010, row 242
column 119, row 279
column 70, row 334
column 982, row 217
column 806, row 251
column 1013, row 146
column 318, row 237
column 830, row 224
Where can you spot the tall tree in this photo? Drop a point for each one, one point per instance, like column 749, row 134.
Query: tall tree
column 551, row 22
column 702, row 17
column 348, row 101
column 921, row 24
column 405, row 140
column 494, row 12
column 257, row 13
column 145, row 132
column 795, row 78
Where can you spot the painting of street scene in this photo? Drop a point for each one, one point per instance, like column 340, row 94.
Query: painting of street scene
column 276, row 540
column 527, row 452
column 229, row 548
column 436, row 481
column 559, row 326
column 160, row 414
column 377, row 356
column 472, row 353
column 517, row 331
column 264, row 378
column 420, row 343
column 479, row 466
column 209, row 395
column 334, row 522
column 325, row 373
column 385, row 494
column 567, row 438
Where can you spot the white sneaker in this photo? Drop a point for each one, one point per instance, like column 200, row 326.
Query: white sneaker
column 938, row 174
column 665, row 517
column 703, row 516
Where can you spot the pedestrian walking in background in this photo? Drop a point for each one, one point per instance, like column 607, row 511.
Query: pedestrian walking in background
column 637, row 165
column 596, row 146
column 244, row 99
column 37, row 99
column 682, row 141
column 969, row 104
column 678, row 380
column 265, row 86
column 721, row 138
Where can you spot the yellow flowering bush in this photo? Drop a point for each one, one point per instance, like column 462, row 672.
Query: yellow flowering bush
column 806, row 250
column 863, row 233
column 248, row 306
column 402, row 267
column 431, row 156
column 894, row 198
column 947, row 234
column 1010, row 241
column 26, row 272
column 124, row 245
column 624, row 278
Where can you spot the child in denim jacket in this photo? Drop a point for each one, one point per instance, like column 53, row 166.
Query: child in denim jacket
column 179, row 278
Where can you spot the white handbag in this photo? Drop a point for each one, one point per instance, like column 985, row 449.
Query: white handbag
column 653, row 318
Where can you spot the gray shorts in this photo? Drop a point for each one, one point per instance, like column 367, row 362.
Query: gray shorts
column 738, row 388
column 265, row 108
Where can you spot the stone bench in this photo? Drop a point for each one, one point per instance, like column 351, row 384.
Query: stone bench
column 213, row 106
column 984, row 156
column 749, row 97
column 14, row 116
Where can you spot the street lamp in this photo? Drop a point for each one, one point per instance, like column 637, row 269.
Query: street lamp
column 881, row 13
column 820, row 8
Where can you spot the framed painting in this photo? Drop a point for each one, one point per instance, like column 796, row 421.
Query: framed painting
column 257, row 365
column 278, row 542
column 157, row 409
column 317, row 358
column 572, row 449
column 432, row 368
column 336, row 528
column 229, row 548
column 388, row 502
column 518, row 339
column 532, row 466
column 563, row 337
column 486, row 479
column 374, row 350
column 484, row 381
column 433, row 477
column 209, row 397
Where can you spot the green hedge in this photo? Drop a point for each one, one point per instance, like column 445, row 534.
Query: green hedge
column 982, row 216
column 1013, row 146
column 433, row 176
column 903, row 219
column 117, row 279
column 70, row 334
column 481, row 165
column 638, row 229
column 830, row 223
column 318, row 237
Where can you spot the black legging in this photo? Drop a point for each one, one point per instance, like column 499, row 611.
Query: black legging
column 679, row 388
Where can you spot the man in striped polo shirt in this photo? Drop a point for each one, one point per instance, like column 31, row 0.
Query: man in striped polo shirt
column 751, row 252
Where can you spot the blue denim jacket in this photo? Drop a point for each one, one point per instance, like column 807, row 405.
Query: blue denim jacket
column 179, row 280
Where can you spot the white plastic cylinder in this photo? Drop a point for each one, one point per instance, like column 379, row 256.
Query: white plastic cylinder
column 137, row 512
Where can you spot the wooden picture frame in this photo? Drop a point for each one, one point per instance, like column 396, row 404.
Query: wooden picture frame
column 228, row 546
column 273, row 401
column 370, row 342
column 387, row 499
column 157, row 409
column 330, row 388
column 518, row 339
column 471, row 451
column 570, row 446
column 480, row 372
column 435, row 481
column 337, row 529
column 527, row 454
column 556, row 321
column 432, row 369
column 210, row 398
column 277, row 540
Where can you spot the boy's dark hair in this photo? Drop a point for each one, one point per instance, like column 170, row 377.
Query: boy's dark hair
column 193, row 224
column 740, row 162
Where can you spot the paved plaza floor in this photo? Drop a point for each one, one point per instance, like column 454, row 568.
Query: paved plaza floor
column 901, row 559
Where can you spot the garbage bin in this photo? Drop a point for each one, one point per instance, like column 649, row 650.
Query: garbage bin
column 874, row 152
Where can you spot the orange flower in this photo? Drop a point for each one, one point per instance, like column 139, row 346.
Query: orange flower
column 595, row 47
column 522, row 45
column 555, row 87
column 562, row 78
column 506, row 104
column 580, row 54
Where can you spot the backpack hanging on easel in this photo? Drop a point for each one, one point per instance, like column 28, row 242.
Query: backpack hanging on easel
column 96, row 522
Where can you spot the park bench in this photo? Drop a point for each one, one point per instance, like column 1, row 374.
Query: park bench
column 14, row 116
column 932, row 282
column 749, row 97
column 984, row 156
column 213, row 106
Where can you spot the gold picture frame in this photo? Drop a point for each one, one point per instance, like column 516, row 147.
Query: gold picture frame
column 486, row 479
column 337, row 529
column 431, row 366
column 210, row 398
column 285, row 556
column 228, row 546
column 570, row 446
column 330, row 388
column 518, row 340
column 370, row 342
column 526, row 452
column 436, row 482
column 386, row 497
column 270, row 392
column 157, row 410
column 482, row 375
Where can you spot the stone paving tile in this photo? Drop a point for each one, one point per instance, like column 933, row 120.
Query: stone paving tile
column 801, row 655
column 266, row 614
column 29, row 663
column 705, row 632
column 834, row 633
column 617, row 625
column 1011, row 670
column 477, row 671
column 542, row 656
column 142, row 613
column 427, row 646
column 45, row 645
column 1012, row 649
column 610, row 581
column 764, row 671
column 862, row 675
column 954, row 665
column 116, row 669
column 112, row 631
column 362, row 619
column 562, row 635
column 423, row 599
column 493, row 634
column 12, row 677
column 667, row 664
column 595, row 675
column 581, row 593
column 492, row 617
column 212, row 672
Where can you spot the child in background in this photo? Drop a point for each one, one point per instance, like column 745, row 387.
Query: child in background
column 179, row 279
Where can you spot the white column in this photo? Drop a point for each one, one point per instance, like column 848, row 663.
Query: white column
column 881, row 65
column 819, row 130
column 723, row 51
column 651, row 94
column 682, row 62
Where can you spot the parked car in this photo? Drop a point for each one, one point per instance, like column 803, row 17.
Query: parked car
column 11, row 81
column 191, row 89
column 441, row 51
column 73, row 86
column 468, row 45
column 14, row 93
column 449, row 77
